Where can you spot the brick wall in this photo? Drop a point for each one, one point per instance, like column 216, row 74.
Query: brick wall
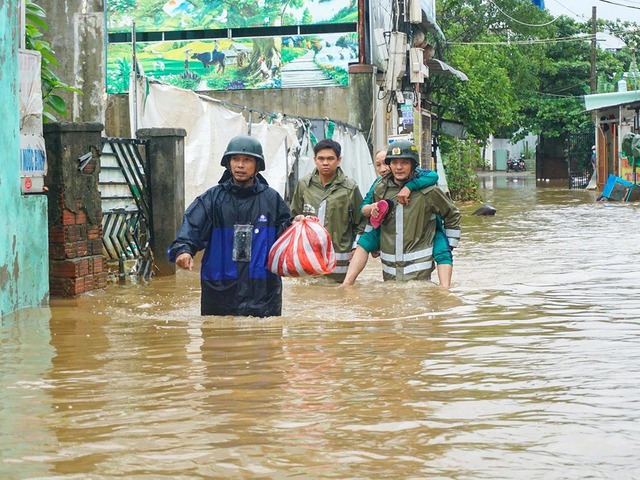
column 76, row 261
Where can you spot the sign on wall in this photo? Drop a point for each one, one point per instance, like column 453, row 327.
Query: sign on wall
column 33, row 162
column 220, row 45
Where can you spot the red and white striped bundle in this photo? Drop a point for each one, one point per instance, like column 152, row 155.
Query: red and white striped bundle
column 304, row 249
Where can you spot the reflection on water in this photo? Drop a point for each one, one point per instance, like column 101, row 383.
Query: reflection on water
column 528, row 368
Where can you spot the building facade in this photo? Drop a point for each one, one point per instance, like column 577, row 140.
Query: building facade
column 24, row 260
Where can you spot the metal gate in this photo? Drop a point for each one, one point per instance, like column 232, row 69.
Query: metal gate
column 579, row 158
column 126, row 206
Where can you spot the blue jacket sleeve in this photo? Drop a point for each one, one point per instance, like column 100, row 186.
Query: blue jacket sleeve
column 195, row 231
column 425, row 178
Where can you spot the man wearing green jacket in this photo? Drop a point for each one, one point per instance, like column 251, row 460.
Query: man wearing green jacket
column 327, row 193
column 369, row 242
column 407, row 232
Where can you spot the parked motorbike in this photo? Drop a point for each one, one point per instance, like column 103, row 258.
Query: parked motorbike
column 514, row 165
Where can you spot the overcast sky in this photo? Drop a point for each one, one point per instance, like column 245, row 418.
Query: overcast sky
column 610, row 10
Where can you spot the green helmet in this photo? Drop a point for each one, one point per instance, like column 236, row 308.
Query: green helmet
column 403, row 149
column 244, row 145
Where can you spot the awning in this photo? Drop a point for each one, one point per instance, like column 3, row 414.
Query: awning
column 598, row 101
column 438, row 67
column 429, row 18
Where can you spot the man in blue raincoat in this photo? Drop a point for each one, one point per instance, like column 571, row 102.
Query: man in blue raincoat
column 236, row 223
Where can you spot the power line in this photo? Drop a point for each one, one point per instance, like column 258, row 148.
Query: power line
column 569, row 10
column 620, row 4
column 518, row 21
column 529, row 42
column 554, row 95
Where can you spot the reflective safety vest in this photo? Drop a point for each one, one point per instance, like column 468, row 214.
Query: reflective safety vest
column 338, row 207
column 406, row 234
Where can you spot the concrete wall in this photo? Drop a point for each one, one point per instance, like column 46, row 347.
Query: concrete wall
column 24, row 280
column 166, row 149
column 529, row 143
column 77, row 35
column 352, row 105
column 516, row 149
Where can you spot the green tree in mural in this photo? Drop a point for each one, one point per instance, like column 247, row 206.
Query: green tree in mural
column 122, row 6
column 264, row 57
column 248, row 13
column 293, row 4
column 306, row 17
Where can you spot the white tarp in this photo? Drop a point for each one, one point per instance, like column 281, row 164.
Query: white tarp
column 442, row 175
column 305, row 161
column 209, row 128
column 356, row 159
column 205, row 145
column 276, row 140
column 357, row 163
column 210, row 125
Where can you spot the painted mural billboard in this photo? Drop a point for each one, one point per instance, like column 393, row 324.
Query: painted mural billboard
column 226, row 45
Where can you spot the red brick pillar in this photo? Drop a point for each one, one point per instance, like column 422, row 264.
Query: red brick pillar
column 76, row 260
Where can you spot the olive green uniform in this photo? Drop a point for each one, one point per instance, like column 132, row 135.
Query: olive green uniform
column 407, row 233
column 338, row 207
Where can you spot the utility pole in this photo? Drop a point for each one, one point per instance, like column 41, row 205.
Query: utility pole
column 594, row 84
column 594, row 80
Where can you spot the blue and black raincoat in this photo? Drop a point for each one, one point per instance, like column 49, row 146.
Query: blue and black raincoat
column 236, row 227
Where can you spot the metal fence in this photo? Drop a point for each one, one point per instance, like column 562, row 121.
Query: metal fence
column 126, row 206
column 579, row 159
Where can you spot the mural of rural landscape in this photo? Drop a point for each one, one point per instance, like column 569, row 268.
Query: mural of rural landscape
column 240, row 64
column 237, row 63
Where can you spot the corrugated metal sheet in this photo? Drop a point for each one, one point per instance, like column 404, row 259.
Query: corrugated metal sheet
column 598, row 101
column 438, row 67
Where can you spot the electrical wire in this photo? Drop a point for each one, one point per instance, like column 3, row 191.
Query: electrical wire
column 620, row 4
column 518, row 21
column 555, row 95
column 569, row 10
column 578, row 38
column 375, row 113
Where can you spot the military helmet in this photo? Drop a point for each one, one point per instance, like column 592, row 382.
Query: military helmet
column 244, row 145
column 403, row 149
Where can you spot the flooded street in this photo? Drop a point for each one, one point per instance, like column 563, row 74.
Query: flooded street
column 528, row 368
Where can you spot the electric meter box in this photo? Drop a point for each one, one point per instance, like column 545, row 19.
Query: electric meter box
column 33, row 160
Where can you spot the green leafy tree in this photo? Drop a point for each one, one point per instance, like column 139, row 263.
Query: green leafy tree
column 494, row 46
column 528, row 72
column 294, row 4
column 493, row 49
column 534, row 66
column 461, row 158
column 487, row 101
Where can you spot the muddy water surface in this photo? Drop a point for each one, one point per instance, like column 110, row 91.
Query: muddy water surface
column 528, row 368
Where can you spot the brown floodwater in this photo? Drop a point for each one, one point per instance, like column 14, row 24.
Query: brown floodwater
column 528, row 368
